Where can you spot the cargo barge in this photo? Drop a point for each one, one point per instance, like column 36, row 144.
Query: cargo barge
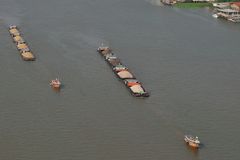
column 122, row 72
column 21, row 45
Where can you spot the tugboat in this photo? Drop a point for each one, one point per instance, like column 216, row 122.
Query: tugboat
column 55, row 83
column 104, row 50
column 192, row 141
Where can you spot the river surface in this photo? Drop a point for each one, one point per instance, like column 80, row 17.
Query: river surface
column 186, row 59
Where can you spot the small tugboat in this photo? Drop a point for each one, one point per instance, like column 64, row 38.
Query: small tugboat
column 104, row 50
column 192, row 141
column 55, row 83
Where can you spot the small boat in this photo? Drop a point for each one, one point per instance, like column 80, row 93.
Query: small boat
column 169, row 2
column 55, row 83
column 215, row 15
column 234, row 19
column 192, row 141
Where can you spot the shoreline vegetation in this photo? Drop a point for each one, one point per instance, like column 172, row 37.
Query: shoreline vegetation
column 195, row 5
column 190, row 5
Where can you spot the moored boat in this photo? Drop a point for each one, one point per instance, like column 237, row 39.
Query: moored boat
column 215, row 15
column 192, row 141
column 55, row 83
column 169, row 2
column 235, row 19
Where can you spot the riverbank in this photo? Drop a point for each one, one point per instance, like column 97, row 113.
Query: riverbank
column 192, row 5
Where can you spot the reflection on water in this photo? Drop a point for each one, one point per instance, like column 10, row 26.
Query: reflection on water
column 56, row 89
column 192, row 150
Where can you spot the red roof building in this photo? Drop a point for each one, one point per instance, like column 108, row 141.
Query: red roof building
column 235, row 5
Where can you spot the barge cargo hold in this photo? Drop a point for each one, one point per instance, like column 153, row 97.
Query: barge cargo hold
column 21, row 45
column 122, row 72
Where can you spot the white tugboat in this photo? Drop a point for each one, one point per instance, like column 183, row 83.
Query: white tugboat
column 192, row 141
column 215, row 15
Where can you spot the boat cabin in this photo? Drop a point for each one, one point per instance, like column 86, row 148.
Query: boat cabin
column 119, row 68
column 114, row 61
column 228, row 13
column 104, row 50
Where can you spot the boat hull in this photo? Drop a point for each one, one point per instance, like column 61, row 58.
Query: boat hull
column 194, row 145
column 56, row 85
column 191, row 143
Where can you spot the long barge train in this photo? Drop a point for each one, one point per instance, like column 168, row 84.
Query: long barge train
column 21, row 44
column 122, row 72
